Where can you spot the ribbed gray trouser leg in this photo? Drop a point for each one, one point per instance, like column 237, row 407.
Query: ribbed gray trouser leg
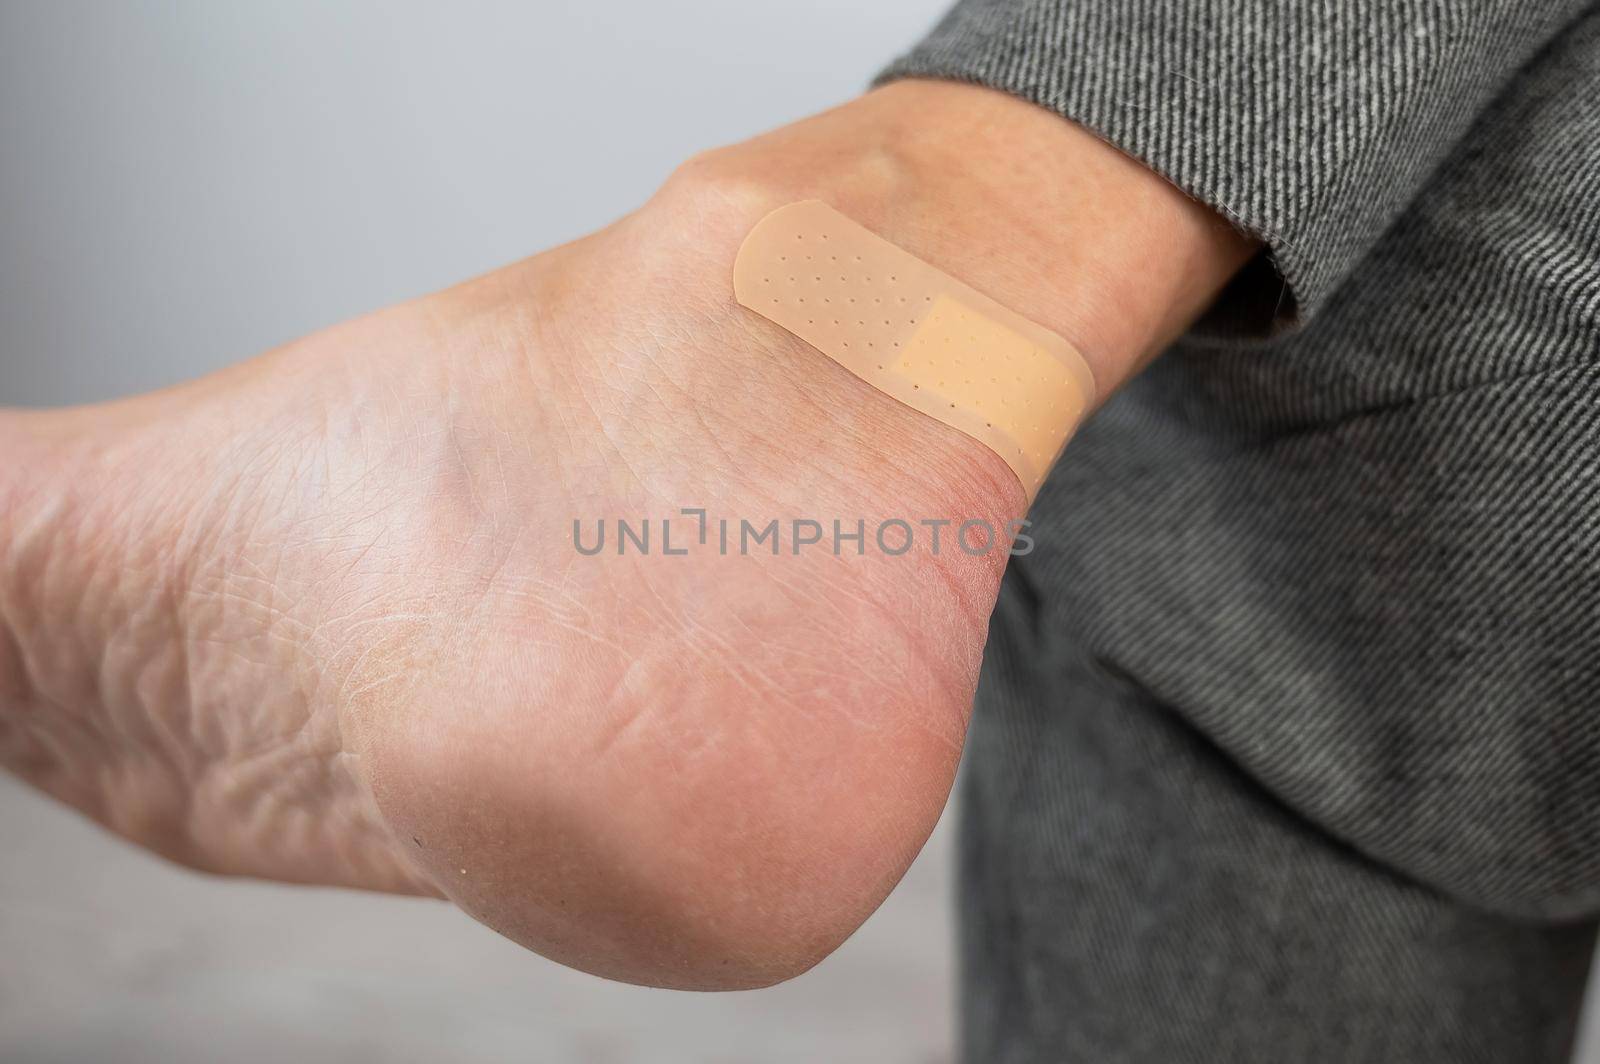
column 1129, row 896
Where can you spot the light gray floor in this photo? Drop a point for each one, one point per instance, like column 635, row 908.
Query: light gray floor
column 183, row 185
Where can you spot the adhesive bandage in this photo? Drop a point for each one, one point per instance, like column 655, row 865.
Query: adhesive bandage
column 910, row 330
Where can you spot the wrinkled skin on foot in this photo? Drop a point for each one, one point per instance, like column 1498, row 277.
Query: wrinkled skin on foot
column 690, row 749
column 321, row 617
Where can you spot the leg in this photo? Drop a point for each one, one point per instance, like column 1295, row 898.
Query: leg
column 1130, row 896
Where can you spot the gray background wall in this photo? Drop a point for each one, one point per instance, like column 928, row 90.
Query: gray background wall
column 185, row 184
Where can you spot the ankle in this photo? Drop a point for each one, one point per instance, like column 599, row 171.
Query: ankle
column 1032, row 210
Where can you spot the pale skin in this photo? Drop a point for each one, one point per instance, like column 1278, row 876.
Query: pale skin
column 319, row 617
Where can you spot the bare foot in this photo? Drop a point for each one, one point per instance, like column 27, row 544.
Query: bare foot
column 323, row 617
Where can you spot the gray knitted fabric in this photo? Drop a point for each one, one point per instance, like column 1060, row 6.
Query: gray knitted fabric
column 1288, row 743
column 1311, row 124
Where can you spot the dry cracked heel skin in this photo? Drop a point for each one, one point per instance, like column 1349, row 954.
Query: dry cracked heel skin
column 916, row 333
